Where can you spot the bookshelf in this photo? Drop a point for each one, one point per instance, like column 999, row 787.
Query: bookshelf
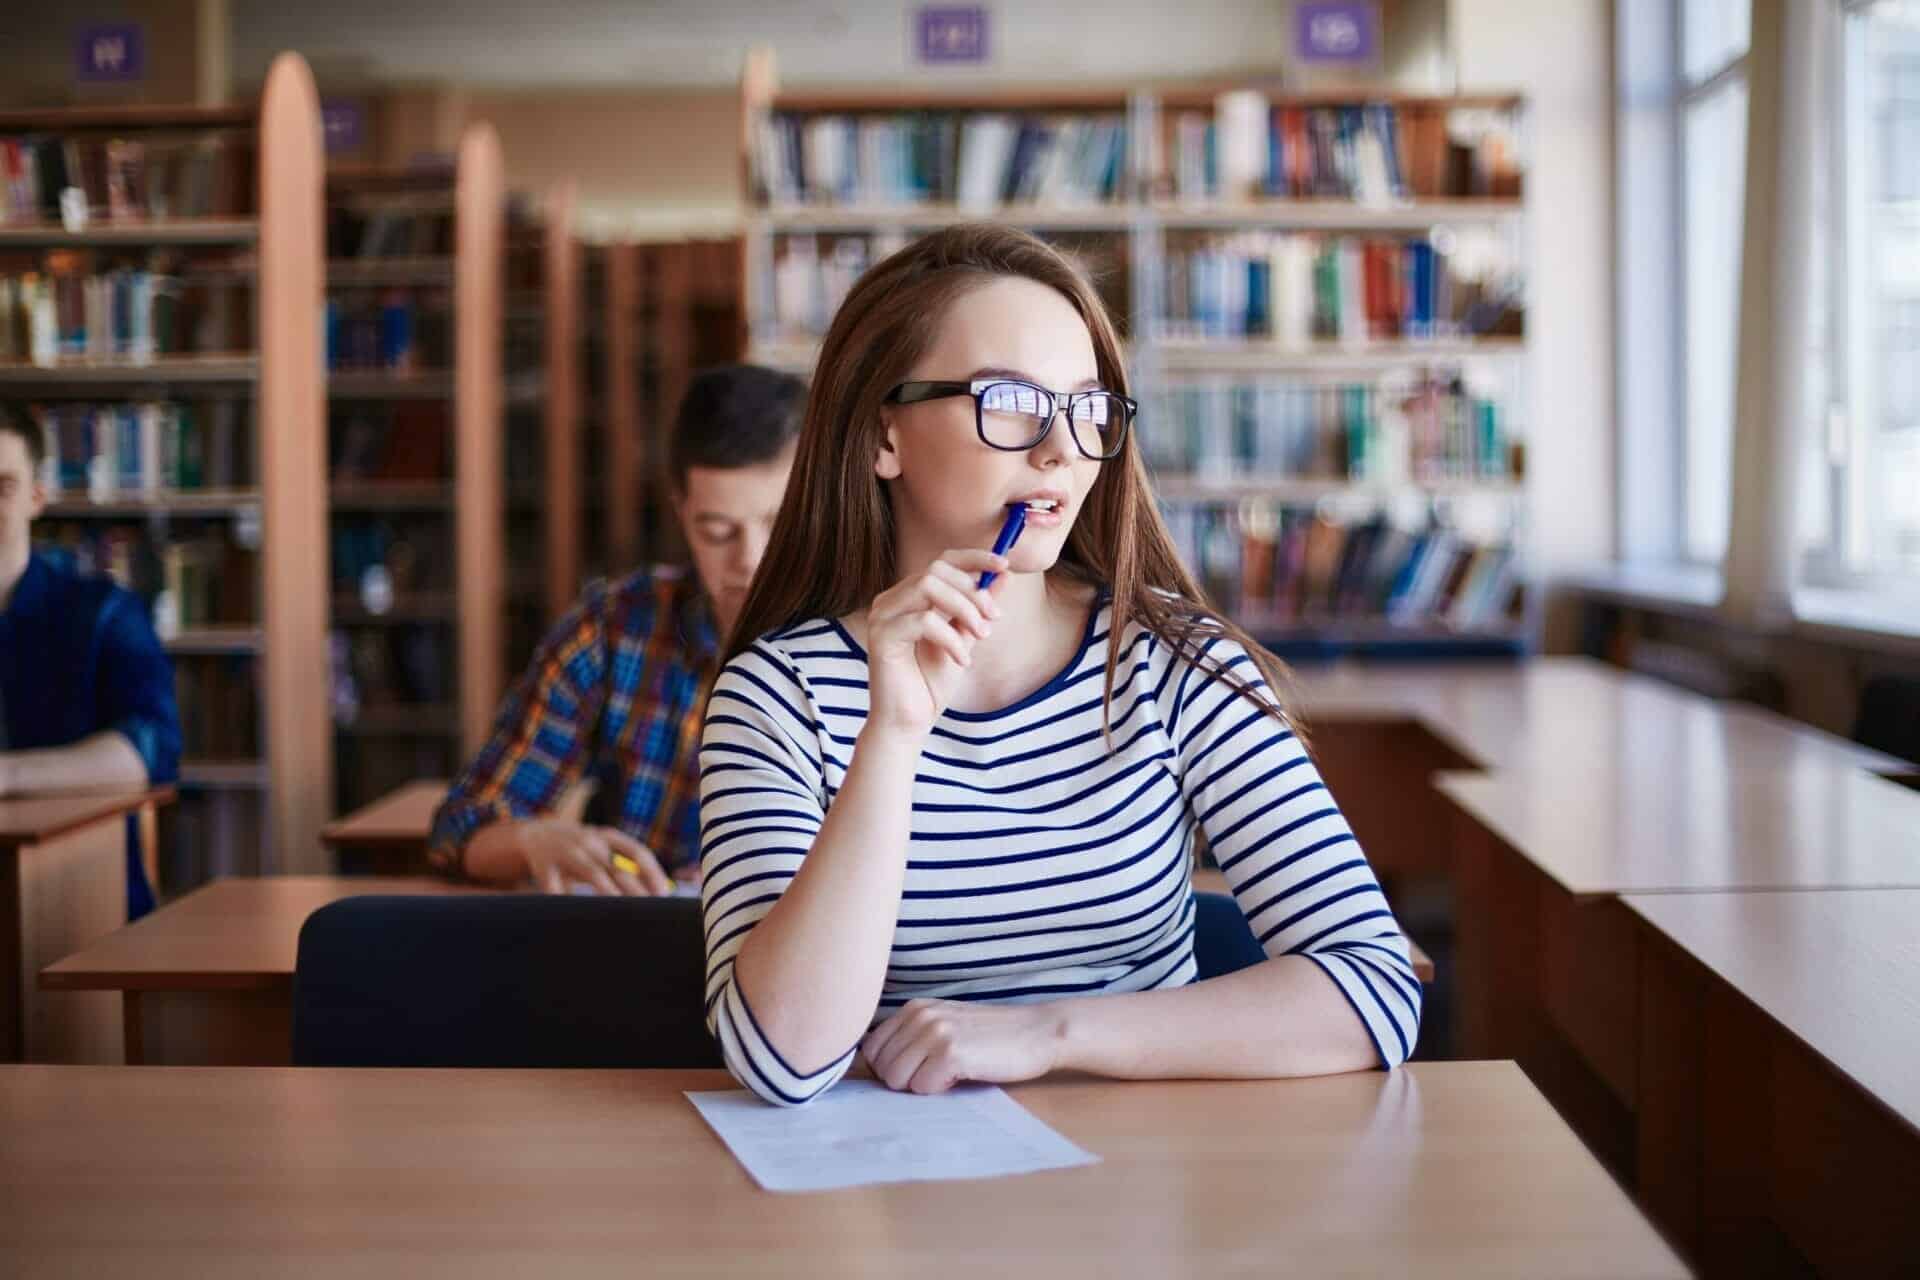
column 184, row 402
column 657, row 312
column 545, row 455
column 1322, row 296
column 417, row 447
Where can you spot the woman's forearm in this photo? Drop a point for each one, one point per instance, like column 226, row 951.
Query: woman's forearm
column 813, row 967
column 1283, row 1017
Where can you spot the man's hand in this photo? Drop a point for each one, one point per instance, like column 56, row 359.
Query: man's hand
column 554, row 855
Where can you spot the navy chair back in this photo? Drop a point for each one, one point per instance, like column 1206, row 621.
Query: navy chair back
column 1222, row 942
column 514, row 980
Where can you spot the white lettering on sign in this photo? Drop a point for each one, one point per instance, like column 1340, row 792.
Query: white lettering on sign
column 109, row 53
column 1334, row 33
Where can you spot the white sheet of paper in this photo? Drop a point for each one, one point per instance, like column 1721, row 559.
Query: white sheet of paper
column 860, row 1133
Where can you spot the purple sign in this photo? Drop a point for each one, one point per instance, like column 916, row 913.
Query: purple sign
column 1335, row 30
column 953, row 33
column 110, row 54
column 344, row 124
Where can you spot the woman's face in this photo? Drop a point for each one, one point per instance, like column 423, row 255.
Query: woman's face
column 949, row 488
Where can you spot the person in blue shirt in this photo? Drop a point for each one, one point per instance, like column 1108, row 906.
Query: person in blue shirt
column 86, row 691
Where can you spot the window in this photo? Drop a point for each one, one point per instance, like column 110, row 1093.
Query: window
column 1712, row 106
column 1874, row 441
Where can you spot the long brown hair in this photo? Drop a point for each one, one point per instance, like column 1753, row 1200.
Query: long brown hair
column 832, row 547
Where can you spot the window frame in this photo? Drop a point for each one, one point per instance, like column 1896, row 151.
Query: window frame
column 1688, row 93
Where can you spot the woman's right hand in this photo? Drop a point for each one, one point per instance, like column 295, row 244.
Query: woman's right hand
column 920, row 638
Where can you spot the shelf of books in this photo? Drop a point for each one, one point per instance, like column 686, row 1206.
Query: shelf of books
column 1323, row 297
column 160, row 276
column 543, row 424
column 415, row 352
column 657, row 312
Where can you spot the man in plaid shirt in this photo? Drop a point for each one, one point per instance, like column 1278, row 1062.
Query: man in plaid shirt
column 614, row 693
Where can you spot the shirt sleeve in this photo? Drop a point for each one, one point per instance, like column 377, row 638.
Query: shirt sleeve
column 134, row 693
column 541, row 737
column 762, row 801
column 1293, row 864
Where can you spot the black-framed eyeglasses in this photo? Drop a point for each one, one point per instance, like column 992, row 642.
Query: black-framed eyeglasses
column 1015, row 416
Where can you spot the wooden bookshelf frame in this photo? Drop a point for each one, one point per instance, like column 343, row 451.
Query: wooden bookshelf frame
column 292, row 425
column 283, row 375
column 479, row 411
column 561, row 519
column 471, row 501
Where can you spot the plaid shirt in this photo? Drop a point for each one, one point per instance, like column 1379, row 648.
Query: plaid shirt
column 613, row 694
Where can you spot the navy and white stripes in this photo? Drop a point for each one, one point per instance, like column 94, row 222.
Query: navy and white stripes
column 1042, row 865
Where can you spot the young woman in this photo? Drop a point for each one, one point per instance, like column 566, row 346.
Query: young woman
column 949, row 829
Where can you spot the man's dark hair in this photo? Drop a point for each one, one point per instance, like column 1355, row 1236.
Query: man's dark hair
column 734, row 415
column 29, row 431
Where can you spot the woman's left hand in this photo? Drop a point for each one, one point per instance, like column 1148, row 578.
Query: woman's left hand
column 932, row 1045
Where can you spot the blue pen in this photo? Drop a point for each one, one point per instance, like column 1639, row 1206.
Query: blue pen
column 1009, row 534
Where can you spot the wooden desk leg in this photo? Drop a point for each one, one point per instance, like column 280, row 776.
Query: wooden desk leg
column 1497, row 946
column 63, row 895
column 1802, row 1172
column 209, row 1028
column 1672, row 1090
column 149, row 820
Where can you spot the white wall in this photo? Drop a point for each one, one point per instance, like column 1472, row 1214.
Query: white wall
column 1558, row 52
column 698, row 43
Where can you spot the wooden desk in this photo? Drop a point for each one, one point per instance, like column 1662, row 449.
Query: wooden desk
column 208, row 979
column 389, row 836
column 1440, row 1169
column 1780, row 1130
column 63, row 883
column 1552, row 713
column 1380, row 734
column 1548, row 957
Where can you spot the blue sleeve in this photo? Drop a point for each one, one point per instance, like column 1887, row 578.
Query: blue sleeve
column 133, row 690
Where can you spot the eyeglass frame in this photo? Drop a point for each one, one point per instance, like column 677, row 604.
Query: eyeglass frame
column 921, row 392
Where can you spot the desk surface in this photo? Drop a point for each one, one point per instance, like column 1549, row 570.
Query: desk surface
column 234, row 934
column 1438, row 1169
column 1550, row 715
column 1599, row 828
column 404, row 816
column 1839, row 970
column 38, row 818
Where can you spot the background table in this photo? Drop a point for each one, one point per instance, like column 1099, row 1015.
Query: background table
column 208, row 979
column 63, row 883
column 1780, row 1055
column 389, row 836
column 1436, row 1170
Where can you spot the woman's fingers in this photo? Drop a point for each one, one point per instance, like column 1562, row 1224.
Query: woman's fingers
column 936, row 1073
column 874, row 1047
column 937, row 631
column 961, row 604
column 980, row 599
column 903, row 1059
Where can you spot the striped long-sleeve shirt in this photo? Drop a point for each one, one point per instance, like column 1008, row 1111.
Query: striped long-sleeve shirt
column 1042, row 865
